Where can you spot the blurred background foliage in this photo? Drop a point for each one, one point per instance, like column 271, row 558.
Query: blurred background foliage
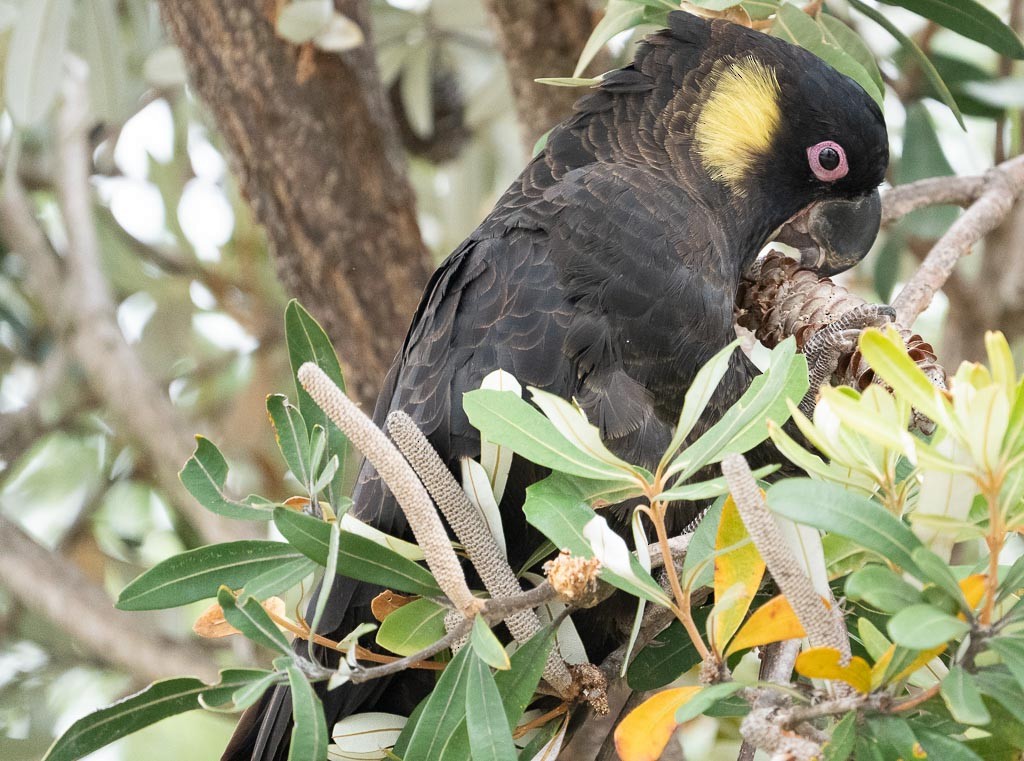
column 198, row 300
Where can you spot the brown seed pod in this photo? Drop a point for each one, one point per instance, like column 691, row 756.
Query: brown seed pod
column 778, row 299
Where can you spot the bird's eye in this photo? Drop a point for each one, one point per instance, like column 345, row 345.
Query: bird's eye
column 828, row 161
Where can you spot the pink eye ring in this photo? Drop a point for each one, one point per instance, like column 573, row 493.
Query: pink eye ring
column 828, row 161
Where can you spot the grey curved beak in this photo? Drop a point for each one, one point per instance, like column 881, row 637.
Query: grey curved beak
column 832, row 236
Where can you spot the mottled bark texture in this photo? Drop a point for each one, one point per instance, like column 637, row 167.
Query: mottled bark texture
column 314, row 148
column 542, row 38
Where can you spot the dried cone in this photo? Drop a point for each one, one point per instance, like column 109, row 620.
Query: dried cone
column 778, row 299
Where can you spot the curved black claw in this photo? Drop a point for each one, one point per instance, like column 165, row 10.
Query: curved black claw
column 824, row 349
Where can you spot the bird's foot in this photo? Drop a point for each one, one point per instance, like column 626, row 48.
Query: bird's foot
column 825, row 348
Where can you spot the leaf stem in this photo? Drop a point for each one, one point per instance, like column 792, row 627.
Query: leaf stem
column 918, row 699
column 361, row 652
column 682, row 597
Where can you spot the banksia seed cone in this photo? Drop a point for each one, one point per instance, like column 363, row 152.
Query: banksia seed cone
column 778, row 299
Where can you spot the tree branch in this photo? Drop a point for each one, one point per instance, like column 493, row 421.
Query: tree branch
column 83, row 314
column 315, row 150
column 55, row 588
column 1002, row 185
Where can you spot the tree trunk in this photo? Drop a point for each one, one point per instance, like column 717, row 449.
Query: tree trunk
column 542, row 38
column 314, row 149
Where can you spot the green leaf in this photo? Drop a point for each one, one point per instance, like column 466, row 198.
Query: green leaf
column 205, row 474
column 922, row 627
column 439, row 732
column 923, row 157
column 35, row 59
column 292, row 436
column 250, row 619
column 412, row 627
column 157, row 701
column 568, row 81
column 702, row 490
column 758, row 10
column 538, row 748
column 939, row 746
column 199, row 573
column 844, row 735
column 245, row 696
column 231, row 681
column 845, row 38
column 879, row 586
column 507, row 420
column 1003, row 688
column 795, row 26
column 358, row 557
column 894, row 735
column 282, row 577
column 887, row 264
column 518, row 685
column 309, row 735
column 697, row 563
column 485, row 715
column 922, row 60
column 619, row 16
column 934, row 570
column 969, row 18
column 1011, row 650
column 487, row 647
column 958, row 74
column 705, row 699
column 555, row 508
column 541, row 143
column 330, row 576
column 834, row 509
column 1013, row 580
column 698, row 396
column 101, row 46
column 744, row 425
column 307, row 342
column 670, row 655
column 962, row 698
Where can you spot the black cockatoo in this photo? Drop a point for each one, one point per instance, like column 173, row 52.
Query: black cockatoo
column 608, row 272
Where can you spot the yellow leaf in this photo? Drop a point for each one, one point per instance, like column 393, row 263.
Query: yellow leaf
column 741, row 567
column 923, row 659
column 772, row 622
column 823, row 663
column 644, row 733
column 879, row 669
column 973, row 588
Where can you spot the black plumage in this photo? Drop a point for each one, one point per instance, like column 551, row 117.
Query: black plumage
column 607, row 272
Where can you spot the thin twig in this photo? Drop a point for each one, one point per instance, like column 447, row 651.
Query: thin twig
column 362, row 653
column 376, row 672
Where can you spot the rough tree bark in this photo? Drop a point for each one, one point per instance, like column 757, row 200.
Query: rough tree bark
column 542, row 38
column 315, row 152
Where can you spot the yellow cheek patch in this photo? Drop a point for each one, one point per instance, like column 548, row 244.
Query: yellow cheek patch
column 738, row 121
